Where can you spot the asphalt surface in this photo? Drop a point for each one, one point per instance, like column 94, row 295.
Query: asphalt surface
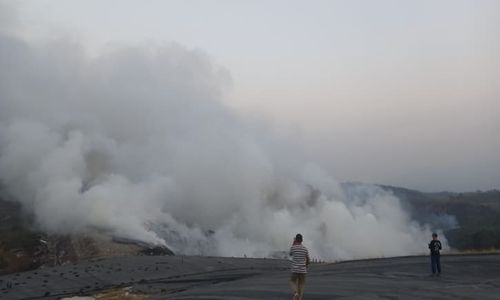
column 175, row 277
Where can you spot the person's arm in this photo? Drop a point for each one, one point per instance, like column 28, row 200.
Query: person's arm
column 430, row 245
column 291, row 248
column 439, row 245
column 308, row 260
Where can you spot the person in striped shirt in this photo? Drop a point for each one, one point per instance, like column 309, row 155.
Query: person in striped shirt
column 300, row 261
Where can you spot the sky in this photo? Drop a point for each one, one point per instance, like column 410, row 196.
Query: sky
column 403, row 93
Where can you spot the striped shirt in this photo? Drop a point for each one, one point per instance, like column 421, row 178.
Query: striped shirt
column 299, row 255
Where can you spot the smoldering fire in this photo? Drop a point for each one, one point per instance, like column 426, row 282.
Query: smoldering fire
column 138, row 143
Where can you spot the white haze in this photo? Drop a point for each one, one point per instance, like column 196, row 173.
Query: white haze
column 137, row 143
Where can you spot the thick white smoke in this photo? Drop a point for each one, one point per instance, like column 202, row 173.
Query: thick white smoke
column 137, row 143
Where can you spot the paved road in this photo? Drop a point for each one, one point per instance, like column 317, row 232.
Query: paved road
column 464, row 277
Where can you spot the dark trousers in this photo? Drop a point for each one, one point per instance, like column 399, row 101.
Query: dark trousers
column 436, row 263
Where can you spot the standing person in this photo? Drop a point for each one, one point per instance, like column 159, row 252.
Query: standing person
column 300, row 261
column 435, row 246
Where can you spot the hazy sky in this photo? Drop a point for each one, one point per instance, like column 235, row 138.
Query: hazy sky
column 395, row 92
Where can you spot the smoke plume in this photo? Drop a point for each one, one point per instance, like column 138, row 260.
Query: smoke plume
column 138, row 143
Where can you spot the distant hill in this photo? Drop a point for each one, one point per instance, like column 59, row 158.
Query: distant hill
column 471, row 221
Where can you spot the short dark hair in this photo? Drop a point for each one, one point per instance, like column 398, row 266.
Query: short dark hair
column 434, row 234
column 298, row 237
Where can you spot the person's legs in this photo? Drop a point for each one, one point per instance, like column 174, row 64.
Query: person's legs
column 433, row 264
column 300, row 286
column 293, row 281
column 438, row 264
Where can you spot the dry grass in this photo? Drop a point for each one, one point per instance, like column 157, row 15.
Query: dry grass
column 120, row 294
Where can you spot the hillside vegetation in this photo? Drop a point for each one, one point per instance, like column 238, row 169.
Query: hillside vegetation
column 18, row 242
column 471, row 221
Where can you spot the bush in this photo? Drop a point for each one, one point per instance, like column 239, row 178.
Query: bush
column 18, row 237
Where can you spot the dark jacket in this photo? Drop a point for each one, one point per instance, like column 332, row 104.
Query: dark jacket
column 435, row 246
